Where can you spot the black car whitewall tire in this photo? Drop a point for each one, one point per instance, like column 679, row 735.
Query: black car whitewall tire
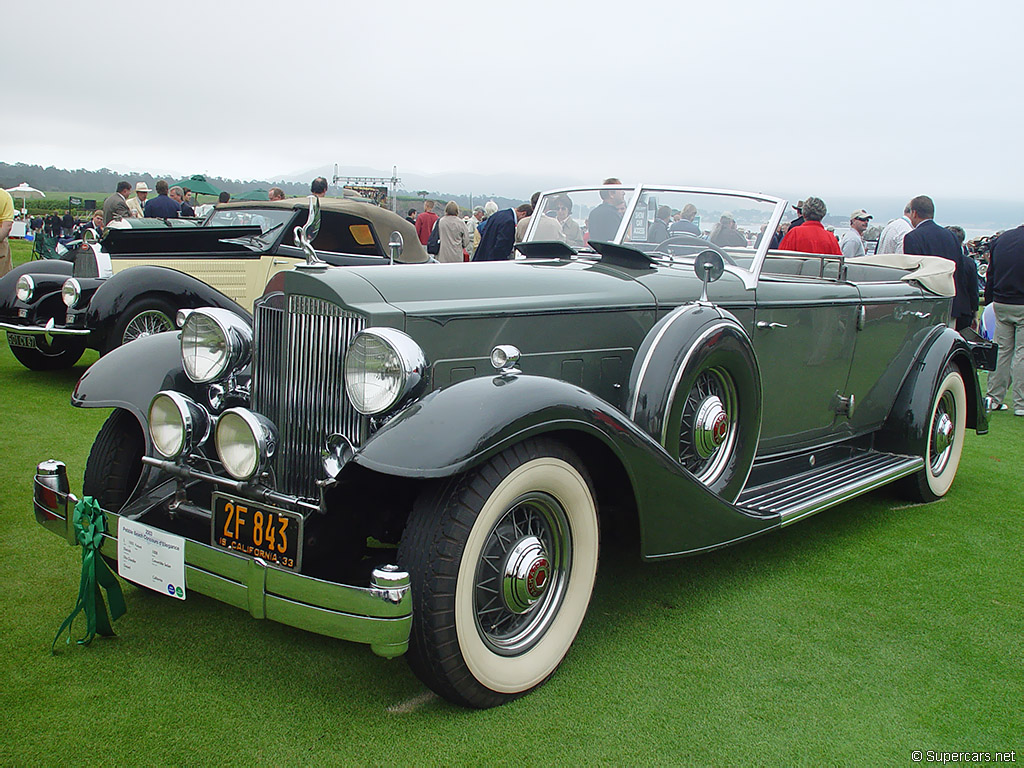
column 503, row 562
column 947, row 425
column 58, row 353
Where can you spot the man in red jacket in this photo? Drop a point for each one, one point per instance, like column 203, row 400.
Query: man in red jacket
column 425, row 221
column 811, row 236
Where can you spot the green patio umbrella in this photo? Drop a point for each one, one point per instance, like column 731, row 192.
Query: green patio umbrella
column 198, row 184
column 253, row 194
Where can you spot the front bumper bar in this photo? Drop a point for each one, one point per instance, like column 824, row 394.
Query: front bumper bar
column 379, row 615
column 50, row 329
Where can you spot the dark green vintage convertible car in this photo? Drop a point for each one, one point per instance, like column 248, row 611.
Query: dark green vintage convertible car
column 426, row 460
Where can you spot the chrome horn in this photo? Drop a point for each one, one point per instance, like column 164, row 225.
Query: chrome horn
column 306, row 234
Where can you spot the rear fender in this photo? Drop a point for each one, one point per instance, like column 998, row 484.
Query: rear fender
column 906, row 429
column 457, row 428
column 181, row 291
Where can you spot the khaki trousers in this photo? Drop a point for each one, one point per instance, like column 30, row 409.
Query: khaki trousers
column 1009, row 337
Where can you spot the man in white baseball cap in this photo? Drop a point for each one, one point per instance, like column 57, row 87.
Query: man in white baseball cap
column 852, row 242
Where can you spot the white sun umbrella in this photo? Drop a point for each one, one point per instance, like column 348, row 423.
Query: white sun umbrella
column 24, row 191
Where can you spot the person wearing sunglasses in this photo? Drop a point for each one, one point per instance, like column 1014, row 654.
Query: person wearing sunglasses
column 852, row 242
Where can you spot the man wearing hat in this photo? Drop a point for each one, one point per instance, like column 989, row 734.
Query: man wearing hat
column 852, row 242
column 137, row 204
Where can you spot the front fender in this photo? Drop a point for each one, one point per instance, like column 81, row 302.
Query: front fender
column 454, row 429
column 906, row 429
column 182, row 291
column 49, row 276
column 154, row 363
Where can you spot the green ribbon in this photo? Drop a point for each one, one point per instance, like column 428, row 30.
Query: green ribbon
column 90, row 525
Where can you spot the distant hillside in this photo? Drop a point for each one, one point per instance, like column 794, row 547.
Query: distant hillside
column 52, row 179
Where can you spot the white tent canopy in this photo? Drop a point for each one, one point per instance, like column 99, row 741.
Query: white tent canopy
column 24, row 191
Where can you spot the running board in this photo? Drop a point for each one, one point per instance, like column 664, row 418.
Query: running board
column 794, row 498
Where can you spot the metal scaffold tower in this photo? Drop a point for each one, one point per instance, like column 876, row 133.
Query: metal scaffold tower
column 373, row 181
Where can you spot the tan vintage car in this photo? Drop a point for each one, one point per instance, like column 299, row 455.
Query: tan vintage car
column 135, row 279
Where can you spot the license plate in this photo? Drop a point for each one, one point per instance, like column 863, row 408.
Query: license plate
column 271, row 534
column 21, row 340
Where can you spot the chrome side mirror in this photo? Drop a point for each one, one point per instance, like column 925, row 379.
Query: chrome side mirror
column 89, row 237
column 395, row 244
column 306, row 234
column 709, row 266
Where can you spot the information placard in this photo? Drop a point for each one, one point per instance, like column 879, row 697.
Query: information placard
column 151, row 557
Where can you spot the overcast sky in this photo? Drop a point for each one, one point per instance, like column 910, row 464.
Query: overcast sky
column 875, row 98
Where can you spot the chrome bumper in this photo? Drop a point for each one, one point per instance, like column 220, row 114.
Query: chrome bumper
column 49, row 329
column 379, row 615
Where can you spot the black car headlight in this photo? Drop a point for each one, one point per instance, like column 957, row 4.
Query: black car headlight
column 382, row 367
column 246, row 442
column 177, row 424
column 71, row 292
column 214, row 344
column 24, row 289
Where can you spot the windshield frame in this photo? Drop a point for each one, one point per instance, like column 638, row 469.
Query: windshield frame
column 634, row 193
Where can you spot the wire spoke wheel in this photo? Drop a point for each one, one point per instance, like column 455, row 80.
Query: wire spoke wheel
column 502, row 561
column 708, row 425
column 522, row 573
column 147, row 323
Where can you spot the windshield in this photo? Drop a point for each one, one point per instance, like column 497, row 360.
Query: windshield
column 670, row 222
column 264, row 218
column 727, row 219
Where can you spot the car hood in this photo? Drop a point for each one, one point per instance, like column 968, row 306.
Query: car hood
column 465, row 289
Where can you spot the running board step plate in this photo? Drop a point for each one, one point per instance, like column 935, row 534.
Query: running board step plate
column 796, row 497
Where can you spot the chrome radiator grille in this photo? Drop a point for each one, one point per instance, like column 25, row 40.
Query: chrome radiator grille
column 298, row 383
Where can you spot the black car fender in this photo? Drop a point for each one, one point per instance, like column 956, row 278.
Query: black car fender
column 178, row 289
column 457, row 428
column 48, row 275
column 130, row 375
column 906, row 428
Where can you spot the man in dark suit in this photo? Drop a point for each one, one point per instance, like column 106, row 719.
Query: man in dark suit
column 500, row 234
column 929, row 239
column 116, row 206
column 162, row 206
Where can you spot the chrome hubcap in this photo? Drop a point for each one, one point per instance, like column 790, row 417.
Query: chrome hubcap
column 522, row 574
column 526, row 575
column 710, row 427
column 943, row 433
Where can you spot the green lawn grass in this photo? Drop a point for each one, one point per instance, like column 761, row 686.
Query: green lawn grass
column 862, row 634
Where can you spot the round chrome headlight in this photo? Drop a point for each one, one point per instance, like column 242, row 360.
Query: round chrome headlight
column 25, row 288
column 382, row 367
column 214, row 343
column 246, row 441
column 71, row 292
column 177, row 424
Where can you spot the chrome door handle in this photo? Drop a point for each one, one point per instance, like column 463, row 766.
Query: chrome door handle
column 766, row 324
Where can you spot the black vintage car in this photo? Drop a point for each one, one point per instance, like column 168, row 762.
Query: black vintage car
column 133, row 282
column 427, row 460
